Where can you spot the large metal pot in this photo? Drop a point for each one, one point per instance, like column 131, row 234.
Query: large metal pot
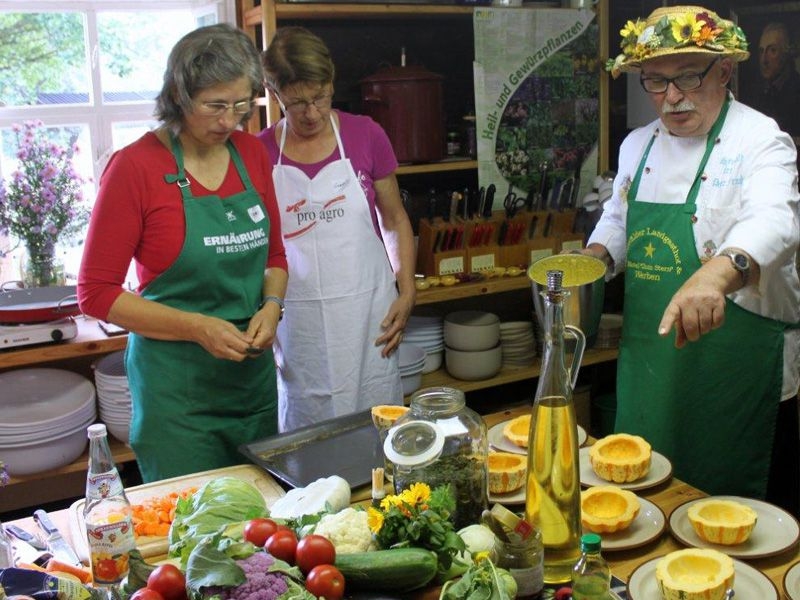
column 407, row 103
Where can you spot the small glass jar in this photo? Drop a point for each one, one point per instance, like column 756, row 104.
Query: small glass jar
column 442, row 441
column 524, row 559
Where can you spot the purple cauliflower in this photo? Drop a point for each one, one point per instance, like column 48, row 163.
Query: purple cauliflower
column 260, row 584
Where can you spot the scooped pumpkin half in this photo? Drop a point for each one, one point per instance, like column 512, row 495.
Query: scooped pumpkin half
column 725, row 522
column 695, row 574
column 517, row 430
column 620, row 457
column 384, row 415
column 506, row 471
column 607, row 508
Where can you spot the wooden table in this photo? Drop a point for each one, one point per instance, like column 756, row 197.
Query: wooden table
column 667, row 496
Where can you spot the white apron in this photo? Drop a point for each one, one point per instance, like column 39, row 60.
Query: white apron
column 340, row 288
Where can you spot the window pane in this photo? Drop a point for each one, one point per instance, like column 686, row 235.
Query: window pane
column 43, row 58
column 123, row 134
column 134, row 49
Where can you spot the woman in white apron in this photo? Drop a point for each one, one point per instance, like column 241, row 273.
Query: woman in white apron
column 348, row 241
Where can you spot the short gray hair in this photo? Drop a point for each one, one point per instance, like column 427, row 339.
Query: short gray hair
column 295, row 55
column 201, row 59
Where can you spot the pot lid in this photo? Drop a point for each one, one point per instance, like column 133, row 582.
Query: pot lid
column 414, row 443
column 395, row 73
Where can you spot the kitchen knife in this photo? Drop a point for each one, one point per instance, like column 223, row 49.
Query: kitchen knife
column 465, row 207
column 487, row 206
column 56, row 543
column 543, row 168
column 532, row 227
column 26, row 553
column 481, row 200
column 25, row 536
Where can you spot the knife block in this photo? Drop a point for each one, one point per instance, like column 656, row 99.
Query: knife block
column 483, row 258
column 441, row 262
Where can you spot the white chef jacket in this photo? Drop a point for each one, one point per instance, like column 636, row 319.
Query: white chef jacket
column 749, row 199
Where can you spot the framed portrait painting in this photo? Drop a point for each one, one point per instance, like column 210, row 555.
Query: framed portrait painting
column 769, row 80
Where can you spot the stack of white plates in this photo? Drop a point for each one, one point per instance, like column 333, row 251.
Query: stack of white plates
column 427, row 332
column 113, row 394
column 609, row 331
column 518, row 343
column 45, row 413
column 412, row 359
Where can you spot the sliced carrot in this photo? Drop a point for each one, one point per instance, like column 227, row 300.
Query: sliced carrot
column 81, row 573
column 153, row 516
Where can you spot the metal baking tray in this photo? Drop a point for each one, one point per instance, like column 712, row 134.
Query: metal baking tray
column 348, row 446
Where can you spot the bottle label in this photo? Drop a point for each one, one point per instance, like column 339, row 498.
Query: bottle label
column 110, row 543
column 104, row 485
column 530, row 580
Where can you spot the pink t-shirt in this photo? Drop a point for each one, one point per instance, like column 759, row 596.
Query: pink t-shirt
column 365, row 144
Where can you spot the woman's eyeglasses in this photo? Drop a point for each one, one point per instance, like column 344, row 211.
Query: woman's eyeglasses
column 301, row 106
column 684, row 83
column 217, row 109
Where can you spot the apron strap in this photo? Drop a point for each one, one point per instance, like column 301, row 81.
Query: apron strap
column 335, row 133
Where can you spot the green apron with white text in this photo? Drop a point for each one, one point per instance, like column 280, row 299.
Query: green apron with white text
column 709, row 407
column 191, row 410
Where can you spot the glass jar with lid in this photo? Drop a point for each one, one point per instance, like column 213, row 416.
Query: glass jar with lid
column 439, row 441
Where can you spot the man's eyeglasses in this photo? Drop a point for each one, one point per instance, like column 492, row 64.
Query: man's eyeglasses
column 685, row 83
column 301, row 106
column 217, row 109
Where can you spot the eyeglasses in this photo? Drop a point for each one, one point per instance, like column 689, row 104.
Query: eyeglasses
column 685, row 83
column 217, row 109
column 301, row 106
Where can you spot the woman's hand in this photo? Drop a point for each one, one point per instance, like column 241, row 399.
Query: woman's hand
column 222, row 339
column 394, row 325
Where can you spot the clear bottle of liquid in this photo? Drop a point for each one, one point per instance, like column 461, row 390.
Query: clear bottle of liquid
column 591, row 577
column 107, row 513
column 6, row 549
column 552, row 502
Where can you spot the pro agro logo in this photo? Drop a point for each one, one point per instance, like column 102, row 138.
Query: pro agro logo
column 306, row 217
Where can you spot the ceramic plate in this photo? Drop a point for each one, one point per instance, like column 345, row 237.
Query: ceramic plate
column 660, row 471
column 500, row 442
column 515, row 497
column 748, row 584
column 791, row 582
column 775, row 530
column 648, row 525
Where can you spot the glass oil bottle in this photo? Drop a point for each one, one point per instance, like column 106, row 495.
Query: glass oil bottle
column 552, row 501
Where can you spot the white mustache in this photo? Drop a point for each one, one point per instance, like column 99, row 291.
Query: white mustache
column 682, row 106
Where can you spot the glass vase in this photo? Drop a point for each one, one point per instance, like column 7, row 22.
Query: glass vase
column 42, row 268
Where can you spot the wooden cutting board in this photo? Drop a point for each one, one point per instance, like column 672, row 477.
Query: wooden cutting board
column 151, row 546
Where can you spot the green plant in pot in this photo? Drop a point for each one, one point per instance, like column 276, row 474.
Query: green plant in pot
column 42, row 202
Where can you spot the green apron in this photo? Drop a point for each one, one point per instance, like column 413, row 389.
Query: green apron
column 191, row 410
column 710, row 407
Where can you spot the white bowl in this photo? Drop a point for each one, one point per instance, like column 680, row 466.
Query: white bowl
column 410, row 356
column 45, row 454
column 433, row 361
column 411, row 383
column 471, row 330
column 473, row 366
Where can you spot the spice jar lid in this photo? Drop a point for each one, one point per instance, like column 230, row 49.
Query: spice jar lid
column 414, row 443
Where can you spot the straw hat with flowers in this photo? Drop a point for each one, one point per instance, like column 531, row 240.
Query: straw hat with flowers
column 674, row 30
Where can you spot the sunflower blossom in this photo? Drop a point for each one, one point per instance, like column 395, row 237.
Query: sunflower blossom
column 374, row 519
column 685, row 28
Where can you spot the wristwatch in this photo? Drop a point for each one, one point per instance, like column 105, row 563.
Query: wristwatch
column 277, row 301
column 740, row 261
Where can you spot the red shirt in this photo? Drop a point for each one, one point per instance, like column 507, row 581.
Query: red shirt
column 138, row 216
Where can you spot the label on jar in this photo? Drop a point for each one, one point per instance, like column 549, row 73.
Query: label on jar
column 110, row 543
column 530, row 580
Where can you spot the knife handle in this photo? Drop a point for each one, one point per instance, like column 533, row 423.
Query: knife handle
column 21, row 534
column 44, row 522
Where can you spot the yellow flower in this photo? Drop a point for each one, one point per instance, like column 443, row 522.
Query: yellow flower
column 481, row 556
column 416, row 494
column 390, row 501
column 686, row 28
column 632, row 29
column 374, row 519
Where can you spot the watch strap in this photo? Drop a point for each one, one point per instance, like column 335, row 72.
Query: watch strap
column 276, row 300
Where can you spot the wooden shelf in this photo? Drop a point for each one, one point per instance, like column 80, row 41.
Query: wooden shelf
column 313, row 10
column 460, row 164
column 91, row 341
column 445, row 293
column 506, row 375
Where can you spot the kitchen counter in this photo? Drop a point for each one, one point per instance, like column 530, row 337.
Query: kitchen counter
column 667, row 496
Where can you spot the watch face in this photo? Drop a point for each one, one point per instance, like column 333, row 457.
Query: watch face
column 741, row 261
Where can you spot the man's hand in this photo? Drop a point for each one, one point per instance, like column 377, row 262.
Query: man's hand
column 697, row 308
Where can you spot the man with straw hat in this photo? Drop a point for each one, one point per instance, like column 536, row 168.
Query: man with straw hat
column 704, row 219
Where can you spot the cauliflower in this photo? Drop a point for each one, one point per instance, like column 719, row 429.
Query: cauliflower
column 348, row 530
column 260, row 584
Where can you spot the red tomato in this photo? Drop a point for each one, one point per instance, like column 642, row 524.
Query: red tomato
column 146, row 593
column 314, row 550
column 169, row 581
column 282, row 544
column 325, row 581
column 257, row 531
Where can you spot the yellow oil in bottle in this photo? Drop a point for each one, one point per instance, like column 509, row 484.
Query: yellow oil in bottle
column 553, row 487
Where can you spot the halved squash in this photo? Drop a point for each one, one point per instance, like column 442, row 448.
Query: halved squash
column 384, row 415
column 506, row 471
column 724, row 522
column 517, row 430
column 607, row 508
column 694, row 574
column 620, row 457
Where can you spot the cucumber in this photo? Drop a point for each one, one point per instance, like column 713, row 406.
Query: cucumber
column 397, row 570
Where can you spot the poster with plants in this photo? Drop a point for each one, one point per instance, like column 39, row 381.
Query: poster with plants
column 537, row 97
